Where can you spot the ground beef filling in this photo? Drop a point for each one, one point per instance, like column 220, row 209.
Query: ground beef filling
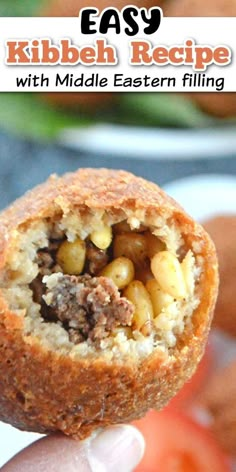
column 46, row 258
column 88, row 307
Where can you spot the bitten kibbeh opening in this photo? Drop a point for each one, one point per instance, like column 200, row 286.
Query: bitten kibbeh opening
column 92, row 282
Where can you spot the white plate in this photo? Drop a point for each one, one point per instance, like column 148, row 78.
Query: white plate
column 152, row 143
column 202, row 197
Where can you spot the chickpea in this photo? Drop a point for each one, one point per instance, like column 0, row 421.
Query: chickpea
column 154, row 244
column 159, row 298
column 120, row 270
column 102, row 238
column 167, row 271
column 143, row 314
column 131, row 245
column 71, row 256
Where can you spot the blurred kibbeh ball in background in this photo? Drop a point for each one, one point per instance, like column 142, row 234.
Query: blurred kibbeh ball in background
column 218, row 104
column 73, row 7
column 222, row 230
column 200, row 8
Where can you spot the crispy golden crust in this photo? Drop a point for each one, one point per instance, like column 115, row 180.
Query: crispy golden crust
column 44, row 391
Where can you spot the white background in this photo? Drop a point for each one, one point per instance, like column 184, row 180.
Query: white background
column 205, row 31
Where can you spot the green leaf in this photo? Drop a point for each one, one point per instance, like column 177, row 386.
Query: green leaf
column 21, row 7
column 163, row 109
column 27, row 115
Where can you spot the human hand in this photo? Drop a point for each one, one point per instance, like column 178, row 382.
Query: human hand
column 114, row 449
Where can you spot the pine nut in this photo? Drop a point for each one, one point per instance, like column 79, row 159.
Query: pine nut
column 187, row 266
column 120, row 270
column 167, row 272
column 102, row 238
column 159, row 298
column 143, row 315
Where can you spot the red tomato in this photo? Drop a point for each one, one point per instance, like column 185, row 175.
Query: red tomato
column 194, row 385
column 175, row 443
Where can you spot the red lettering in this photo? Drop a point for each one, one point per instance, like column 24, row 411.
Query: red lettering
column 140, row 52
column 16, row 53
column 70, row 54
column 51, row 54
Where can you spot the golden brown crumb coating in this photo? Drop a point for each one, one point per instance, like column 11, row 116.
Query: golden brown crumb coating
column 45, row 390
column 223, row 232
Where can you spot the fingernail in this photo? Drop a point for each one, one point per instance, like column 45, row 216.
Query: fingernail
column 117, row 448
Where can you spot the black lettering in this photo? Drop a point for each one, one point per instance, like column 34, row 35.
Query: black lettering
column 21, row 82
column 128, row 15
column 118, row 80
column 62, row 81
column 137, row 82
column 153, row 20
column 106, row 23
column 87, row 22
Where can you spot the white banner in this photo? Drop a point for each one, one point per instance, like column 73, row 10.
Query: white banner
column 53, row 54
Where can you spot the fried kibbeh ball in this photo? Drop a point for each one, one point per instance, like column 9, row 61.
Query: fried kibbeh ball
column 73, row 7
column 222, row 229
column 200, row 8
column 222, row 104
column 81, row 101
column 107, row 294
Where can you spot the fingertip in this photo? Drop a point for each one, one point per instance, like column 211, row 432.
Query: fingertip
column 119, row 447
column 54, row 453
column 112, row 449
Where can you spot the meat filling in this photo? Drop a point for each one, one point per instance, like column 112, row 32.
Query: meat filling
column 88, row 307
column 112, row 281
column 46, row 258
